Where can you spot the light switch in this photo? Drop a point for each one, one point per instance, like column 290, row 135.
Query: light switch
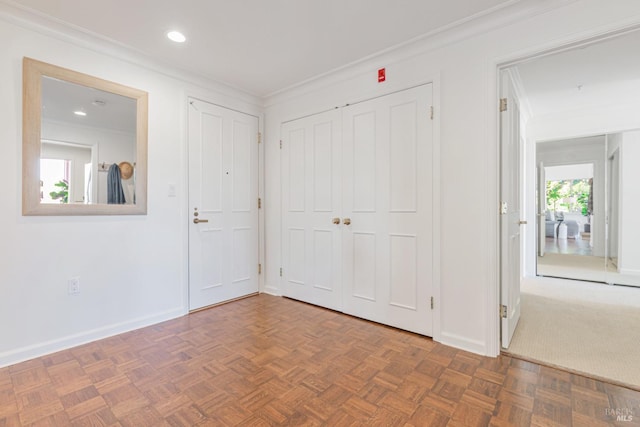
column 171, row 191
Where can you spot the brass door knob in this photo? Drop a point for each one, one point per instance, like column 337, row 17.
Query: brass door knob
column 347, row 221
column 336, row 221
column 197, row 221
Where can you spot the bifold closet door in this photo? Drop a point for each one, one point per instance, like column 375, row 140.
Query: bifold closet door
column 311, row 197
column 387, row 197
column 223, row 199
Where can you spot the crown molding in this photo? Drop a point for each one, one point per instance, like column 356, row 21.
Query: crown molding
column 492, row 19
column 21, row 16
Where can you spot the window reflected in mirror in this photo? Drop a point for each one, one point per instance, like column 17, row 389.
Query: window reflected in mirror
column 54, row 180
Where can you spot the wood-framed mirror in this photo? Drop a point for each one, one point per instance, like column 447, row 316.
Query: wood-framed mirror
column 84, row 144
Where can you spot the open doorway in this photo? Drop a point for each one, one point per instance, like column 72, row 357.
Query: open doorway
column 580, row 111
column 570, row 188
column 568, row 191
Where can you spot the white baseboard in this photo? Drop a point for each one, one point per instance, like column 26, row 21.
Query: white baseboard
column 629, row 271
column 29, row 352
column 271, row 290
column 462, row 343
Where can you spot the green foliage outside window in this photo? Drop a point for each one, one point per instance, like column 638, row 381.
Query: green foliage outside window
column 568, row 196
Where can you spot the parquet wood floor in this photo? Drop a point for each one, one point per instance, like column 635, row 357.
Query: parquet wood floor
column 269, row 361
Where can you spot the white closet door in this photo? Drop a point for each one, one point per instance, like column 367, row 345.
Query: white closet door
column 311, row 196
column 387, row 196
column 223, row 203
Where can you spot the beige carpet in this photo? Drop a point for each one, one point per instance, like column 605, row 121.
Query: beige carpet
column 583, row 267
column 562, row 325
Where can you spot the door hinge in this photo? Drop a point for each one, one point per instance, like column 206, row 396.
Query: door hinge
column 432, row 303
column 503, row 311
column 503, row 104
column 281, row 144
column 503, row 208
column 280, row 271
column 259, row 137
column 431, row 112
column 259, row 203
column 259, row 268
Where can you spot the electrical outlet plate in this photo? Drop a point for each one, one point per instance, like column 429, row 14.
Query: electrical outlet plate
column 74, row 286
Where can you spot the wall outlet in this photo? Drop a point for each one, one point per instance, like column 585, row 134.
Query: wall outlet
column 73, row 286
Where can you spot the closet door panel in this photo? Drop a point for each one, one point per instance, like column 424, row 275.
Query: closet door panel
column 403, row 158
column 311, row 195
column 361, row 131
column 391, row 136
column 363, row 271
column 323, row 173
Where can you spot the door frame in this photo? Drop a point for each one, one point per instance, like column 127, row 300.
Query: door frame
column 495, row 66
column 230, row 103
column 612, row 207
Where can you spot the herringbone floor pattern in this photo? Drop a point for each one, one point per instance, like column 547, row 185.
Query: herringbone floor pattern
column 269, row 361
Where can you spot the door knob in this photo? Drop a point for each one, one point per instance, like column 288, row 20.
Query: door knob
column 336, row 221
column 347, row 221
column 197, row 221
column 522, row 222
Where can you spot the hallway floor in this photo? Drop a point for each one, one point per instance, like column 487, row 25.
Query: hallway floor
column 269, row 361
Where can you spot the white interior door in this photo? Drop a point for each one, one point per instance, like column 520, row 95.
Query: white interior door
column 223, row 203
column 542, row 207
column 387, row 198
column 357, row 225
column 311, row 195
column 510, row 211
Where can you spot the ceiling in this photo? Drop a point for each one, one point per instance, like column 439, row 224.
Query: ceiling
column 260, row 46
column 105, row 110
column 598, row 75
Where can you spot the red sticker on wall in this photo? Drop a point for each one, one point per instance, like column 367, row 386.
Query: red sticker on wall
column 382, row 75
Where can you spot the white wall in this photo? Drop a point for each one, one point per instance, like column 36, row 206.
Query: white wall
column 132, row 269
column 463, row 68
column 629, row 255
column 571, row 171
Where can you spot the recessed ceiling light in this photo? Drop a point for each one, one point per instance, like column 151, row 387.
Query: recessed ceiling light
column 176, row 36
column 80, row 113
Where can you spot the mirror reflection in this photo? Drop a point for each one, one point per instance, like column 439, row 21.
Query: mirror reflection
column 88, row 151
column 84, row 144
column 572, row 195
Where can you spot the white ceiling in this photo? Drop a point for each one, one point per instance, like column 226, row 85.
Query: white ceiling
column 262, row 46
column 599, row 75
column 103, row 110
